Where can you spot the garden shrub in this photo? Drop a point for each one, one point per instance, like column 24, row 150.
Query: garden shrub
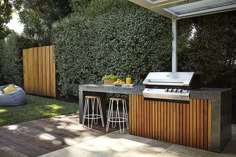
column 211, row 50
column 11, row 69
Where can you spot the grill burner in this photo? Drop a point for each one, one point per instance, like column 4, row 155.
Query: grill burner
column 168, row 85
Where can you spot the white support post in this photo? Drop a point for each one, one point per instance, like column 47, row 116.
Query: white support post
column 174, row 51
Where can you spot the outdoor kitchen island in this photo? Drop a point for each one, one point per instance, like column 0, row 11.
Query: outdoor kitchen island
column 202, row 122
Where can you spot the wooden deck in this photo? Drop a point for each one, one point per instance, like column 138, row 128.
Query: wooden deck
column 34, row 138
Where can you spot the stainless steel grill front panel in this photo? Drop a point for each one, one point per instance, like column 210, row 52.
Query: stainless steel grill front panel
column 161, row 94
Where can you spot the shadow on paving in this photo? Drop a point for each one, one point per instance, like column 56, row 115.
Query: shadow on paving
column 115, row 144
column 42, row 136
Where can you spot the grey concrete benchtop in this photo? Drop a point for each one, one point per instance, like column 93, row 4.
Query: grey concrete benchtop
column 210, row 93
column 136, row 89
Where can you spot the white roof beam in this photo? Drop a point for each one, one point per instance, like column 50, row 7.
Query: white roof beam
column 208, row 11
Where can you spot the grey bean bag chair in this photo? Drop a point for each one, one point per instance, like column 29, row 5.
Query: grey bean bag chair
column 15, row 98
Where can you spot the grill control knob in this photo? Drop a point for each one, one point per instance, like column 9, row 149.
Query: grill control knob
column 180, row 90
column 166, row 90
column 175, row 90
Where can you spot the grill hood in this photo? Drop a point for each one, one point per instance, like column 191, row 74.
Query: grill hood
column 169, row 78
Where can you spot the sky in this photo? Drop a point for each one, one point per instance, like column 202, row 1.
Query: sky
column 15, row 24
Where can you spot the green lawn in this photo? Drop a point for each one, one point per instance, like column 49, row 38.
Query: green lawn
column 36, row 108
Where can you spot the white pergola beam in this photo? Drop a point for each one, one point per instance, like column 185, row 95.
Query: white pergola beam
column 174, row 46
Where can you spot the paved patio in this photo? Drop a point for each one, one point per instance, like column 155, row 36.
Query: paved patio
column 63, row 136
column 116, row 145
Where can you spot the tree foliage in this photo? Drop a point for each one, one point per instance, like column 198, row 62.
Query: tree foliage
column 5, row 16
column 38, row 17
column 211, row 50
column 11, row 69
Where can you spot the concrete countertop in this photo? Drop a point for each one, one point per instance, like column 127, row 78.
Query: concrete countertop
column 136, row 89
column 209, row 93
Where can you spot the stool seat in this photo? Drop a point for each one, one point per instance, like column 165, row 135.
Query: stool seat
column 91, row 97
column 117, row 99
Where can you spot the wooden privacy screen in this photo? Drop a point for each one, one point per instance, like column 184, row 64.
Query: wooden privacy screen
column 187, row 124
column 39, row 71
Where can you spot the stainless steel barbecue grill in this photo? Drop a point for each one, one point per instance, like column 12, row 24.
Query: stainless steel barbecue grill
column 169, row 85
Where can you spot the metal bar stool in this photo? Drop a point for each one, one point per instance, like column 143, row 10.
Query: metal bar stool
column 93, row 110
column 115, row 115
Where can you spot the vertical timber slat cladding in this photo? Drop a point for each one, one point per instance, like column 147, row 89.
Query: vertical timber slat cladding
column 209, row 124
column 205, row 113
column 36, row 72
column 30, row 70
column 153, row 119
column 39, row 71
column 159, row 120
column 177, row 122
column 25, row 68
column 40, row 68
column 48, row 70
column 191, row 123
column 187, row 124
column 194, row 123
column 164, row 121
column 130, row 113
column 181, row 123
column 174, row 124
column 44, row 89
column 202, row 124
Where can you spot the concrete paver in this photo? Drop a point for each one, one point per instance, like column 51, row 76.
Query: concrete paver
column 115, row 144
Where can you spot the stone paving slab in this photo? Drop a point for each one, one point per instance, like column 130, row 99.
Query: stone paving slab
column 117, row 145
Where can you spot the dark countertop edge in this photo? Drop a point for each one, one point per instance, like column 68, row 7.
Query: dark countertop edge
column 110, row 86
column 212, row 90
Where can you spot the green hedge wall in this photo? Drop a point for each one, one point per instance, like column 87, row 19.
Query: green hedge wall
column 114, row 38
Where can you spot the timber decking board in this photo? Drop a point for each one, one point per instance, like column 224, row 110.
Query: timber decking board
column 187, row 123
column 34, row 138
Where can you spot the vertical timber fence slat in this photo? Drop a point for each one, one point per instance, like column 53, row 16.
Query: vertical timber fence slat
column 39, row 71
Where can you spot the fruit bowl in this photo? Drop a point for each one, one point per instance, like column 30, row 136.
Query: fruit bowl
column 119, row 82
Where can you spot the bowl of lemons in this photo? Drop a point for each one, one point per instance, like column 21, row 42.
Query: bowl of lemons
column 119, row 82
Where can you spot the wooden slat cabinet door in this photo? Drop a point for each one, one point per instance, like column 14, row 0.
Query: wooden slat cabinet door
column 187, row 123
